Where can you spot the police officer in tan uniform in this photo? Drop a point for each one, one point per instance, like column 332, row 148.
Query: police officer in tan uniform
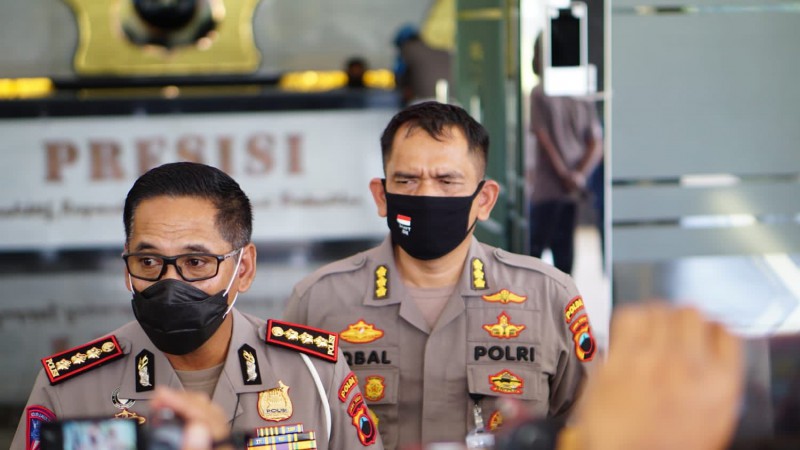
column 437, row 326
column 188, row 256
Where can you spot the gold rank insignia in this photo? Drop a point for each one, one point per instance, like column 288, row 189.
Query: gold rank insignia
column 274, row 404
column 124, row 405
column 312, row 341
column 75, row 361
column 575, row 306
column 145, row 371
column 478, row 275
column 504, row 296
column 361, row 333
column 503, row 329
column 381, row 282
column 374, row 387
column 249, row 364
column 506, row 382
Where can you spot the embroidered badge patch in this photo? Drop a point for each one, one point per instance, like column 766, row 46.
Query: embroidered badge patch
column 75, row 361
column 503, row 329
column 248, row 362
column 504, row 296
column 349, row 383
column 145, row 371
column 361, row 333
column 36, row 415
column 374, row 388
column 582, row 335
column 124, row 405
column 495, row 421
column 381, row 282
column 312, row 341
column 478, row 276
column 506, row 382
column 575, row 306
column 365, row 427
column 274, row 404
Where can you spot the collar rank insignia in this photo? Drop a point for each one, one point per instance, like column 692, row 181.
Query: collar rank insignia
column 365, row 427
column 572, row 309
column 123, row 404
column 75, row 361
column 478, row 275
column 504, row 296
column 381, row 282
column 503, row 329
column 506, row 382
column 495, row 421
column 374, row 388
column 249, row 365
column 312, row 341
column 145, row 371
column 274, row 404
column 361, row 333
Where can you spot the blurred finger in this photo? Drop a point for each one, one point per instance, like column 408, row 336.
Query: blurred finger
column 196, row 437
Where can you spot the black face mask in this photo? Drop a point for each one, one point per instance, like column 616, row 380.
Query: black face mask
column 179, row 317
column 428, row 227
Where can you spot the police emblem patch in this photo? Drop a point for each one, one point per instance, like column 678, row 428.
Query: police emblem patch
column 362, row 421
column 36, row 415
column 347, row 386
column 145, row 371
column 503, row 329
column 374, row 387
column 361, row 333
column 248, row 362
column 506, row 382
column 274, row 404
column 495, row 421
column 573, row 308
column 504, row 296
column 584, row 342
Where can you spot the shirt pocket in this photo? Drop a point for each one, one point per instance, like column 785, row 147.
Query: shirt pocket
column 494, row 381
column 379, row 386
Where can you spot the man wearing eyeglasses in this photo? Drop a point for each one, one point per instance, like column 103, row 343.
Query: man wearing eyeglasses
column 188, row 256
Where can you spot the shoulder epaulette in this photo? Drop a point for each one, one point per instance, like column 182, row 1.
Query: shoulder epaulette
column 312, row 341
column 81, row 359
column 348, row 264
column 531, row 263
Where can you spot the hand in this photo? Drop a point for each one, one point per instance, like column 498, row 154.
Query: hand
column 206, row 422
column 578, row 180
column 672, row 380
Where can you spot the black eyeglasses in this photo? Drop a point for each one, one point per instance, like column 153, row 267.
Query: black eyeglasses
column 190, row 266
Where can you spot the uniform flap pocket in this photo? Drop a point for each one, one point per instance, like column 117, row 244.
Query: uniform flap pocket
column 497, row 380
column 378, row 384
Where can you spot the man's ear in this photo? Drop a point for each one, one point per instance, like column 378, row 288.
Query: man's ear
column 487, row 198
column 247, row 268
column 379, row 195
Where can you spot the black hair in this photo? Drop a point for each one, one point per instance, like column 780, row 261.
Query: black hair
column 234, row 217
column 434, row 118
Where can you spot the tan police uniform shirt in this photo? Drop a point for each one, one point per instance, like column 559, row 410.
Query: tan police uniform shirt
column 514, row 327
column 280, row 391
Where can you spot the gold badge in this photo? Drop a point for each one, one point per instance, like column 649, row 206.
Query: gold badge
column 249, row 365
column 361, row 333
column 504, row 296
column 144, row 375
column 306, row 338
column 320, row 342
column 93, row 353
column 123, row 404
column 495, row 421
column 78, row 358
column 573, row 308
column 292, row 335
column 503, row 329
column 506, row 382
column 274, row 404
column 381, row 282
column 478, row 276
column 374, row 388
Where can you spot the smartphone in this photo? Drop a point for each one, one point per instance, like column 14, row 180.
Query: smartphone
column 91, row 434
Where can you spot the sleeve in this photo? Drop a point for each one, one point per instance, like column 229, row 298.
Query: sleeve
column 352, row 424
column 579, row 350
column 538, row 110
column 40, row 408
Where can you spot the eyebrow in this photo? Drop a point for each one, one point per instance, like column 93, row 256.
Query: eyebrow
column 192, row 248
column 401, row 174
